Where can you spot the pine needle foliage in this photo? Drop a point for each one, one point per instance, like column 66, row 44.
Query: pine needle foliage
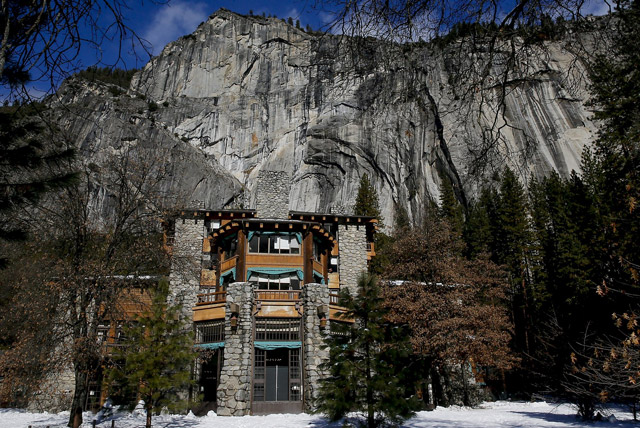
column 367, row 203
column 156, row 359
column 368, row 366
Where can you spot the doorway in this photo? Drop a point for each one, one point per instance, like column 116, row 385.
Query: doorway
column 277, row 381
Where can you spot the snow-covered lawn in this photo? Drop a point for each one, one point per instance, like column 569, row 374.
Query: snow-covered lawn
column 500, row 414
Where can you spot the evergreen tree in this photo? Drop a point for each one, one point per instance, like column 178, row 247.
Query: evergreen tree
column 157, row 356
column 607, row 368
column 511, row 238
column 450, row 209
column 368, row 361
column 367, row 200
column 34, row 160
column 613, row 170
column 477, row 226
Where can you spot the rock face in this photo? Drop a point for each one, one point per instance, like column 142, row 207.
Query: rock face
column 245, row 94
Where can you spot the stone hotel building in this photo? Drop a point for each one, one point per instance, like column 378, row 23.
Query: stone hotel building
column 260, row 286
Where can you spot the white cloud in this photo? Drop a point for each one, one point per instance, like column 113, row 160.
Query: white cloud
column 596, row 7
column 173, row 21
column 293, row 13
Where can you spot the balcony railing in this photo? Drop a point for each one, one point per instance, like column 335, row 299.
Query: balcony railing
column 228, row 264
column 208, row 298
column 333, row 298
column 287, row 295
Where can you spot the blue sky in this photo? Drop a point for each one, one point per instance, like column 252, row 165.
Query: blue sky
column 163, row 22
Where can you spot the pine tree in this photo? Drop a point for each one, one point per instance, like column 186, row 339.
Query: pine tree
column 607, row 369
column 157, row 356
column 450, row 209
column 368, row 366
column 34, row 160
column 367, row 200
column 511, row 239
column 477, row 226
column 613, row 170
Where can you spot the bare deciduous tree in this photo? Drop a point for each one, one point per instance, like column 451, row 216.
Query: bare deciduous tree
column 42, row 40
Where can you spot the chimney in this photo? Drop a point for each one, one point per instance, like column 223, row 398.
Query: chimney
column 272, row 194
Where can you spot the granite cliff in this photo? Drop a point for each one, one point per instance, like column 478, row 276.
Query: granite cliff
column 244, row 94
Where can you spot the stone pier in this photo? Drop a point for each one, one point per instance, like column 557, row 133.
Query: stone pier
column 353, row 255
column 234, row 388
column 313, row 296
column 186, row 265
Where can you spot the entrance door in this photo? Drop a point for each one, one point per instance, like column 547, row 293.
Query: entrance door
column 276, row 381
column 209, row 379
column 208, row 383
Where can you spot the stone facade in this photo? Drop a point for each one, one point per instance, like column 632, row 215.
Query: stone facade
column 314, row 295
column 186, row 264
column 353, row 255
column 234, row 389
column 56, row 392
column 272, row 194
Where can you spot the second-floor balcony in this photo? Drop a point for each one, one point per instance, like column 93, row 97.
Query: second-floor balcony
column 210, row 298
column 277, row 295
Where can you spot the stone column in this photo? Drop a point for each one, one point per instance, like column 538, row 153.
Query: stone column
column 352, row 240
column 186, row 265
column 272, row 194
column 234, row 388
column 313, row 295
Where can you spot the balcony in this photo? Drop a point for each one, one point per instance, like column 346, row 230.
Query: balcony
column 333, row 299
column 228, row 264
column 277, row 295
column 209, row 298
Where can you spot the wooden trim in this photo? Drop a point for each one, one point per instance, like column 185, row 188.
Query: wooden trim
column 241, row 270
column 278, row 260
column 229, row 263
column 307, row 252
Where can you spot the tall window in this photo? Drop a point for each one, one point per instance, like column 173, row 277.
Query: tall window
column 209, row 331
column 317, row 251
column 279, row 329
column 274, row 244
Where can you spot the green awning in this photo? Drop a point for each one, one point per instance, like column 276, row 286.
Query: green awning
column 231, row 272
column 318, row 276
column 270, row 346
column 212, row 346
column 274, row 271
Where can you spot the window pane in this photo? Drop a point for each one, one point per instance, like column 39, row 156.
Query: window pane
column 263, row 247
column 253, row 244
column 272, row 244
column 258, row 392
column 295, row 246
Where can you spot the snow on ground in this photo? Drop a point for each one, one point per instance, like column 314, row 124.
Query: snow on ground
column 500, row 414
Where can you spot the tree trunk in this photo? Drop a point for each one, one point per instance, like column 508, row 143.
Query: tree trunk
column 371, row 423
column 148, row 406
column 79, row 397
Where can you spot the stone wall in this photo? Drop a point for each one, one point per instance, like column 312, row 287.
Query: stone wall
column 272, row 194
column 234, row 388
column 186, row 265
column 56, row 392
column 313, row 295
column 352, row 240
